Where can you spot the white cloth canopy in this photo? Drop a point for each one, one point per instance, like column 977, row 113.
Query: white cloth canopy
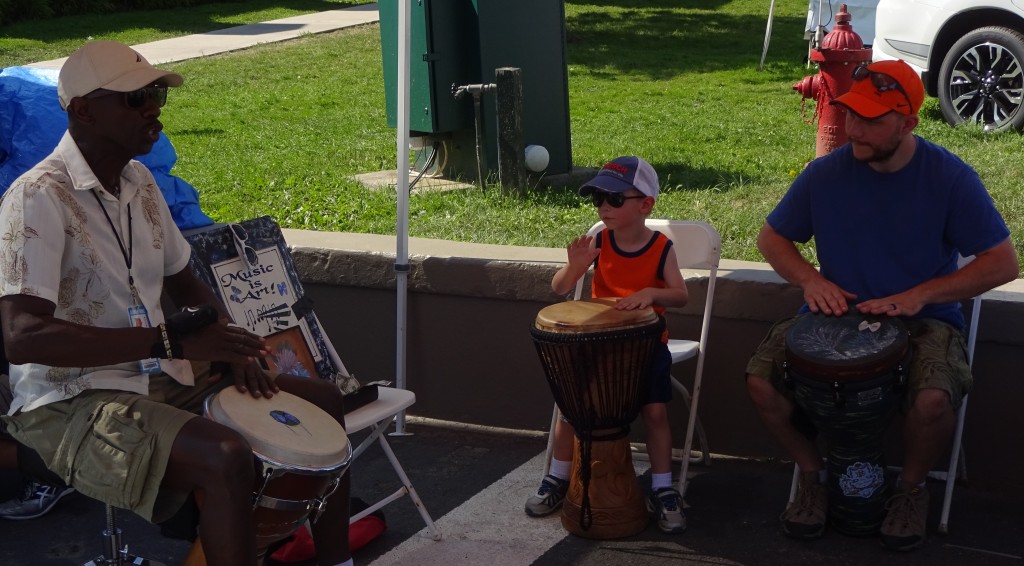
column 861, row 11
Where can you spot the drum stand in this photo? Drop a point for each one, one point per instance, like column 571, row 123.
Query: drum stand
column 114, row 554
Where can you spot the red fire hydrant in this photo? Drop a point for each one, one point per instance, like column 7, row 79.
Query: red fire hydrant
column 840, row 53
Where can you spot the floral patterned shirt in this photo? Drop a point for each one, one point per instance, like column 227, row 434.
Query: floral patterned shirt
column 56, row 244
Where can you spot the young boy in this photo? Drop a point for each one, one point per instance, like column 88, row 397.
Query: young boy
column 635, row 263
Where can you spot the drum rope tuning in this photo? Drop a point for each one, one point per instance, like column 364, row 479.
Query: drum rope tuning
column 598, row 373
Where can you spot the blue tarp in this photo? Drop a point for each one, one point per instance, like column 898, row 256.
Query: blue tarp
column 32, row 123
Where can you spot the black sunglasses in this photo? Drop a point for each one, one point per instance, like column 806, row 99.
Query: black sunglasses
column 882, row 82
column 616, row 200
column 245, row 251
column 136, row 98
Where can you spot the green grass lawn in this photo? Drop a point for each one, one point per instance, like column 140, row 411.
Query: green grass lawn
column 280, row 129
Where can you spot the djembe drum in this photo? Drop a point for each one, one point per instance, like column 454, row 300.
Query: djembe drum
column 848, row 375
column 301, row 452
column 596, row 360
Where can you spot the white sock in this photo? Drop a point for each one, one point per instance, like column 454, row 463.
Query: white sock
column 560, row 468
column 346, row 563
column 659, row 481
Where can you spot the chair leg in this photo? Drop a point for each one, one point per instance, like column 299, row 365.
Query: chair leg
column 702, row 438
column 114, row 552
column 693, row 426
column 956, row 465
column 376, row 433
column 551, row 443
column 794, row 482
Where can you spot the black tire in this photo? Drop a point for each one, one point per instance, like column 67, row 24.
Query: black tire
column 982, row 79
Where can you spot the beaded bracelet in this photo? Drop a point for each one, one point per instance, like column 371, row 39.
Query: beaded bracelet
column 167, row 341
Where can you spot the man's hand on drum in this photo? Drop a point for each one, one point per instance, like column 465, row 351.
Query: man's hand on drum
column 826, row 297
column 581, row 256
column 903, row 304
column 221, row 342
column 251, row 377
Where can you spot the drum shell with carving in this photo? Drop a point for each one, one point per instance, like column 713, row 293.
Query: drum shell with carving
column 848, row 376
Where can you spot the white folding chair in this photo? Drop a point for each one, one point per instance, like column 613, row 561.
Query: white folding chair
column 957, row 463
column 376, row 416
column 697, row 245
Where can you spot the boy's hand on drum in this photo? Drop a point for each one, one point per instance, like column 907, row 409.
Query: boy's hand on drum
column 639, row 300
column 822, row 295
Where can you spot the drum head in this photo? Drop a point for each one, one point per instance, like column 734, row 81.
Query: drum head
column 852, row 347
column 591, row 316
column 283, row 429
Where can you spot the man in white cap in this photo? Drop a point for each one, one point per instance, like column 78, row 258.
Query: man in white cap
column 105, row 389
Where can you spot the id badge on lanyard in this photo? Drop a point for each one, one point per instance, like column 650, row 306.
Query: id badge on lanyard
column 138, row 316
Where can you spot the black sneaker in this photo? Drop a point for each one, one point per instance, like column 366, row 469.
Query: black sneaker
column 37, row 500
column 549, row 497
column 667, row 505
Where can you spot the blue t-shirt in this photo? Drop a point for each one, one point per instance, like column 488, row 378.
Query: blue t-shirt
column 878, row 234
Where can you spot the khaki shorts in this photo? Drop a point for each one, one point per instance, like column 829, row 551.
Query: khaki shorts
column 113, row 445
column 939, row 359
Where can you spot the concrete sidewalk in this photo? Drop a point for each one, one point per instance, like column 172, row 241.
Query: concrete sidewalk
column 241, row 37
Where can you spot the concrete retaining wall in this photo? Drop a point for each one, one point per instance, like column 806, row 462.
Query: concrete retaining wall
column 470, row 357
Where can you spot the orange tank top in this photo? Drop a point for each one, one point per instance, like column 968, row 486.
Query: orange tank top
column 619, row 274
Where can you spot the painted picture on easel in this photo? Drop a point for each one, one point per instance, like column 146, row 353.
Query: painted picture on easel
column 290, row 354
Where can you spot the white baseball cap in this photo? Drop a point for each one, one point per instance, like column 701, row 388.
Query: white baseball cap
column 109, row 65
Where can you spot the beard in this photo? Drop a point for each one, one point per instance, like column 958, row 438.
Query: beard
column 882, row 152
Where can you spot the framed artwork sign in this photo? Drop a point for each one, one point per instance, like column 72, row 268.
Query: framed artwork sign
column 250, row 268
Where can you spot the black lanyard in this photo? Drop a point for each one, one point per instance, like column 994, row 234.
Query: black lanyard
column 127, row 255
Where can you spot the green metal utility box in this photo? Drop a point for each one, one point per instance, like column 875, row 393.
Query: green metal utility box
column 459, row 42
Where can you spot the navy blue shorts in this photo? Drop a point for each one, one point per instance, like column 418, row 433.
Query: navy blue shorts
column 660, row 386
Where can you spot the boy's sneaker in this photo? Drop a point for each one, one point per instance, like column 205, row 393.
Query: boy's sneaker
column 667, row 504
column 549, row 497
column 904, row 526
column 37, row 500
column 804, row 518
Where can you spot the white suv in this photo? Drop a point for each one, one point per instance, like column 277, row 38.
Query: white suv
column 970, row 54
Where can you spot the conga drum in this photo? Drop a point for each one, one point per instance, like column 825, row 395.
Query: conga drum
column 848, row 375
column 596, row 360
column 301, row 453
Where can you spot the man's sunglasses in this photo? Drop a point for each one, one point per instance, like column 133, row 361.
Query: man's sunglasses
column 245, row 251
column 882, row 82
column 137, row 98
column 616, row 200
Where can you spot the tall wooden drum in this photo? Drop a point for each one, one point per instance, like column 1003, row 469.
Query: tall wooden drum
column 597, row 360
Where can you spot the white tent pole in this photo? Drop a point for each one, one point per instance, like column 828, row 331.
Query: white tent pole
column 402, row 189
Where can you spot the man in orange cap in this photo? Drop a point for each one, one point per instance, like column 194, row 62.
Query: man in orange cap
column 890, row 213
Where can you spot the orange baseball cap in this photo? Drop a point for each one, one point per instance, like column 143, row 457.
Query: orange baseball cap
column 882, row 87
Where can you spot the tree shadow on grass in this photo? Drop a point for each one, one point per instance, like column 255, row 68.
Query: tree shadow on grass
column 662, row 44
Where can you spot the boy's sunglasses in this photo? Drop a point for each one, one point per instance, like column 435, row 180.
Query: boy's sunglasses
column 881, row 81
column 137, row 98
column 616, row 200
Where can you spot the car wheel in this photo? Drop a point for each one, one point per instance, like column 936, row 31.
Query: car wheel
column 982, row 79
